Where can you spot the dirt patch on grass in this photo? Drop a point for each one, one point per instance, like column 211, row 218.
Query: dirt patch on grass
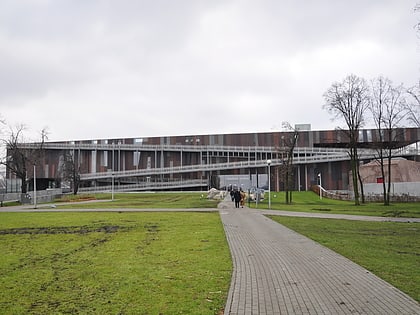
column 62, row 230
column 394, row 213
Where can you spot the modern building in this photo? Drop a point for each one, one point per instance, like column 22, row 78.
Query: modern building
column 199, row 162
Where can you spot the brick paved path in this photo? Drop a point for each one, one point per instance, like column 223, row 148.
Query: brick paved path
column 277, row 271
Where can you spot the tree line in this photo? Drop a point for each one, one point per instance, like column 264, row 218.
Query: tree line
column 18, row 159
column 389, row 106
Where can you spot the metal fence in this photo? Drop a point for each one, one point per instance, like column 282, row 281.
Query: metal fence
column 41, row 196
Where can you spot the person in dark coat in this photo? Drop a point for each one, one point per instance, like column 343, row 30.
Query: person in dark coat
column 237, row 197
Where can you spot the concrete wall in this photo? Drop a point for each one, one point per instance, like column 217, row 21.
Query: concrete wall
column 398, row 189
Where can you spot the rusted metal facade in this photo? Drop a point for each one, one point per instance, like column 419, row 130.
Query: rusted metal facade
column 149, row 153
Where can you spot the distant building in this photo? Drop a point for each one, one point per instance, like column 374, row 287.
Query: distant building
column 199, row 162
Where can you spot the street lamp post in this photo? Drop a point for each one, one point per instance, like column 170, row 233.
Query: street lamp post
column 34, row 186
column 269, row 184
column 320, row 185
column 112, row 187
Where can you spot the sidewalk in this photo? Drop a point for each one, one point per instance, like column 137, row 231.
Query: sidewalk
column 278, row 271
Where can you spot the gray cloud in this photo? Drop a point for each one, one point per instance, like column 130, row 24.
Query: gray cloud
column 98, row 69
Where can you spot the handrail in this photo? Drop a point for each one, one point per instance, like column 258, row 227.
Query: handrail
column 302, row 155
column 184, row 148
column 306, row 159
column 196, row 148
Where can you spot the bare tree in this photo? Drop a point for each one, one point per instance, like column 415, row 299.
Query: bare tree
column 349, row 100
column 388, row 108
column 69, row 171
column 413, row 105
column 286, row 169
column 20, row 157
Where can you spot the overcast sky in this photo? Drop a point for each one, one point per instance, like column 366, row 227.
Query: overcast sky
column 97, row 69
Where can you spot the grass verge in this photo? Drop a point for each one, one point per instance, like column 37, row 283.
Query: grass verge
column 113, row 263
column 304, row 201
column 179, row 200
column 388, row 249
column 307, row 201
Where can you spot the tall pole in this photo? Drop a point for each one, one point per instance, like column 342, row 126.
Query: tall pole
column 112, row 187
column 34, row 186
column 269, row 185
column 320, row 186
column 113, row 170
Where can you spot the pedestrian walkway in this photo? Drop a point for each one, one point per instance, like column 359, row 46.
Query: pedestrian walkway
column 339, row 216
column 278, row 271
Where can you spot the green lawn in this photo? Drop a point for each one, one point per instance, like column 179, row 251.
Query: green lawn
column 307, row 201
column 171, row 263
column 388, row 249
column 304, row 201
column 113, row 263
column 178, row 200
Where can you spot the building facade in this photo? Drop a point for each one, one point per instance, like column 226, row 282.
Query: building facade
column 199, row 162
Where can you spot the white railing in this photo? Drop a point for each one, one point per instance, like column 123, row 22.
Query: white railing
column 334, row 155
column 185, row 148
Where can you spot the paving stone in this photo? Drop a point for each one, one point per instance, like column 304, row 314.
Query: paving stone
column 278, row 271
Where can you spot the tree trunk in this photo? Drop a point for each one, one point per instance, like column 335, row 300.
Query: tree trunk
column 388, row 195
column 385, row 192
column 353, row 162
column 286, row 185
column 359, row 178
column 23, row 187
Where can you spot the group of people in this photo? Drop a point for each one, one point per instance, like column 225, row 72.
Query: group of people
column 238, row 196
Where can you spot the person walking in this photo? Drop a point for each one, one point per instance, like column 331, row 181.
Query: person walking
column 237, row 197
column 243, row 195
